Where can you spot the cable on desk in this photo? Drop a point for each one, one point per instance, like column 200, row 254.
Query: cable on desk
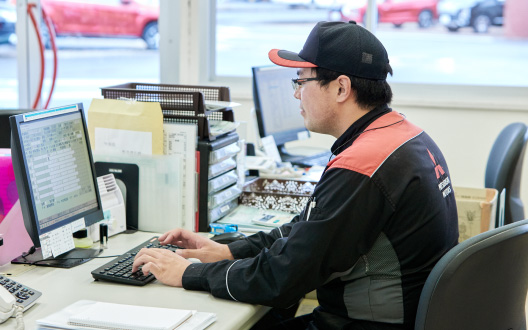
column 51, row 259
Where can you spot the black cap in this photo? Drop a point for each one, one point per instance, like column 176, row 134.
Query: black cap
column 338, row 46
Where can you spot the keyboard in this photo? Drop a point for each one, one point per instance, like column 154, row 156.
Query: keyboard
column 120, row 269
column 320, row 159
column 24, row 295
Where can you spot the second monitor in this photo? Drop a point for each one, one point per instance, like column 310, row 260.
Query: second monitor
column 278, row 112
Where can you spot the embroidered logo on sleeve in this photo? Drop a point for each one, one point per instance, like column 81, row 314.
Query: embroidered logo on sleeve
column 441, row 176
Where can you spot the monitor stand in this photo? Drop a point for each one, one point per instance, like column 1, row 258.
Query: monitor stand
column 77, row 256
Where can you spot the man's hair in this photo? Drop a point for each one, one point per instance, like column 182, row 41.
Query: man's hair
column 369, row 93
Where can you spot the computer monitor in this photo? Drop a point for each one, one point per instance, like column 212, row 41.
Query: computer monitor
column 5, row 130
column 278, row 112
column 56, row 183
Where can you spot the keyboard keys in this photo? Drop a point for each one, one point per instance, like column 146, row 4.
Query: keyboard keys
column 120, row 269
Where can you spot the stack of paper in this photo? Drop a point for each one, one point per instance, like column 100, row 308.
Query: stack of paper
column 92, row 315
column 251, row 219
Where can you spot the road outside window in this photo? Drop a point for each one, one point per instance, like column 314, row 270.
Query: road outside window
column 428, row 41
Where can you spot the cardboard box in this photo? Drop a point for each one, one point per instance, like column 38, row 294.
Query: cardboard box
column 476, row 210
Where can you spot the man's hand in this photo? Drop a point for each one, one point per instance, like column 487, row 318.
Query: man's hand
column 196, row 246
column 165, row 265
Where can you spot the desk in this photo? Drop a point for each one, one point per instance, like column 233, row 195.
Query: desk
column 62, row 287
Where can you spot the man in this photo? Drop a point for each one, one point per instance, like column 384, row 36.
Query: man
column 379, row 219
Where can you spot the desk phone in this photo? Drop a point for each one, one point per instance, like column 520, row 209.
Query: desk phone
column 13, row 293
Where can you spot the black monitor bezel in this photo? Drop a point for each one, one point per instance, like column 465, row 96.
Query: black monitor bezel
column 5, row 129
column 281, row 138
column 23, row 185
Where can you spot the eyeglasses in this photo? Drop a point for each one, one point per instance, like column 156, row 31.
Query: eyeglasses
column 296, row 83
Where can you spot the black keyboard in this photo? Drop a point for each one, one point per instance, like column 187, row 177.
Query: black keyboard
column 24, row 295
column 120, row 269
column 311, row 160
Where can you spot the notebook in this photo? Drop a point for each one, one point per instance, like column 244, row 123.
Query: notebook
column 101, row 315
column 129, row 317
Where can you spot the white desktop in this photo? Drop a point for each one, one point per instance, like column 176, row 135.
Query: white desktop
column 62, row 287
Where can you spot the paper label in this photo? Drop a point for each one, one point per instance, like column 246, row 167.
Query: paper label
column 78, row 225
column 45, row 245
column 123, row 142
column 57, row 242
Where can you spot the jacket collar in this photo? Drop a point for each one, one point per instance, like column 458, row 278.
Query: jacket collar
column 351, row 134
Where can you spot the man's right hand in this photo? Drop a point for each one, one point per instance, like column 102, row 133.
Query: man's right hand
column 196, row 246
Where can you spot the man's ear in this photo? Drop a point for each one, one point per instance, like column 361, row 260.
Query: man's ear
column 344, row 90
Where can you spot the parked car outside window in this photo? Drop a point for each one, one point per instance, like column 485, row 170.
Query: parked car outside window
column 478, row 14
column 105, row 18
column 7, row 23
column 396, row 12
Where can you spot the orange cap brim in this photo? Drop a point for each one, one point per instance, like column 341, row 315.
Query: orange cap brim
column 277, row 59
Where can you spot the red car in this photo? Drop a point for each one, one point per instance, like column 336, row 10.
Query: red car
column 105, row 18
column 396, row 12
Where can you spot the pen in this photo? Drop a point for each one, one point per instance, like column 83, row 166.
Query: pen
column 312, row 205
column 103, row 235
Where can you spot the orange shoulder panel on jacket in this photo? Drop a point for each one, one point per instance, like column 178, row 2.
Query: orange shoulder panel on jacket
column 376, row 144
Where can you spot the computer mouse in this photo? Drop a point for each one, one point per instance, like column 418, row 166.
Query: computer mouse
column 227, row 238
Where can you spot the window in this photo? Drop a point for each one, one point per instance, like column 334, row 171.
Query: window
column 426, row 42
column 100, row 43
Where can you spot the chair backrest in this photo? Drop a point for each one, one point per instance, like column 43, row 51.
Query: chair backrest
column 479, row 284
column 504, row 167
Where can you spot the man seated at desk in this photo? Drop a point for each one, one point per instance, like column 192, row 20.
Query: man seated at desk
column 379, row 219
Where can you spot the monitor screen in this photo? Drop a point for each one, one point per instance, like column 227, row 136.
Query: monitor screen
column 55, row 176
column 277, row 110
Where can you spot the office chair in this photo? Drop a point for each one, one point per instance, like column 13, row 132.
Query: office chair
column 479, row 284
column 504, row 169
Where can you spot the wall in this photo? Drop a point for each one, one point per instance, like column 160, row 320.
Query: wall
column 515, row 23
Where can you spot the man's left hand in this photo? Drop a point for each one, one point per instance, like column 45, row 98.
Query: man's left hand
column 165, row 265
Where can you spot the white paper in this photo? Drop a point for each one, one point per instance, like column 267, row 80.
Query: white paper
column 45, row 245
column 57, row 242
column 219, row 105
column 270, row 147
column 219, row 127
column 122, row 142
column 78, row 225
column 180, row 139
column 243, row 216
column 303, row 135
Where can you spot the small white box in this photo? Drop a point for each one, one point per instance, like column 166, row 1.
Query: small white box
column 113, row 207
